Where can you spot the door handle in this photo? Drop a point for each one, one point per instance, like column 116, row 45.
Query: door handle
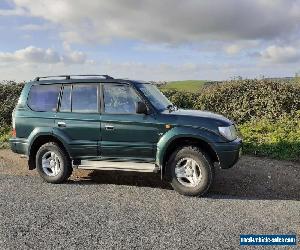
column 109, row 127
column 61, row 124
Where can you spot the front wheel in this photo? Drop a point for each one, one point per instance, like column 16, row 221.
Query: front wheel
column 191, row 171
column 52, row 163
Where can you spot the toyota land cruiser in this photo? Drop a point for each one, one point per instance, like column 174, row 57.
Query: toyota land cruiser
column 98, row 122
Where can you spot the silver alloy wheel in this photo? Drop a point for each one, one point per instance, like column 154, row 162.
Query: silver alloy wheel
column 188, row 172
column 51, row 163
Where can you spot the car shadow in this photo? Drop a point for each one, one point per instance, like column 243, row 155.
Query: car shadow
column 151, row 180
column 252, row 178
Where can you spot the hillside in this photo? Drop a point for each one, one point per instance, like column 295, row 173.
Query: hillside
column 187, row 85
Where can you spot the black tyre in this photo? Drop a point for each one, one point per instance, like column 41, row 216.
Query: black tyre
column 53, row 163
column 191, row 171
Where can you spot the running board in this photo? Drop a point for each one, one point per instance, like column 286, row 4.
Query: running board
column 120, row 166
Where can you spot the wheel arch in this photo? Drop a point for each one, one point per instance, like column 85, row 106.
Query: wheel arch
column 179, row 142
column 40, row 140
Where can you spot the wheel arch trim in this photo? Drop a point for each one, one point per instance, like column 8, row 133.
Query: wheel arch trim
column 39, row 133
column 204, row 136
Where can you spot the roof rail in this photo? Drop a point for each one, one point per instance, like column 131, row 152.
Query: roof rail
column 68, row 77
column 44, row 77
column 104, row 76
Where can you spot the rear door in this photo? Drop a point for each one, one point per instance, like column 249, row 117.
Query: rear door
column 126, row 135
column 78, row 118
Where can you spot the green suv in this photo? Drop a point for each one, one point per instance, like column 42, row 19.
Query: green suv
column 98, row 122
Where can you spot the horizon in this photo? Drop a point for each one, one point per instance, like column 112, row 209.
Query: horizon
column 2, row 81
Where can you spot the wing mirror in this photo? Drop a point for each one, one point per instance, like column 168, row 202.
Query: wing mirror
column 141, row 108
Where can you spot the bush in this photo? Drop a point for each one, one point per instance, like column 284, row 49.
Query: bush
column 181, row 99
column 243, row 100
column 5, row 134
column 9, row 95
column 278, row 139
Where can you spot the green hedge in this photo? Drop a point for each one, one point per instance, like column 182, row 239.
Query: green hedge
column 243, row 100
column 9, row 95
column 181, row 99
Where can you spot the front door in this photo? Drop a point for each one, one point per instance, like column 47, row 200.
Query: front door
column 126, row 135
column 78, row 119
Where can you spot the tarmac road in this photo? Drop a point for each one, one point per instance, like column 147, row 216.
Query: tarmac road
column 124, row 211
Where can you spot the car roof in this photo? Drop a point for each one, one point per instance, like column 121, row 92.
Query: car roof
column 82, row 79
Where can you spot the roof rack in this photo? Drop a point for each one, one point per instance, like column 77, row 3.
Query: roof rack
column 68, row 77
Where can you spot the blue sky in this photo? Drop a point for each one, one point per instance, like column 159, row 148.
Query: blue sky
column 149, row 39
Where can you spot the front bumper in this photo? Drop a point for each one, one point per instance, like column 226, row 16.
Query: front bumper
column 19, row 145
column 228, row 153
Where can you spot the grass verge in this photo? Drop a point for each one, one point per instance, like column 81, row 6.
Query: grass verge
column 5, row 134
column 279, row 139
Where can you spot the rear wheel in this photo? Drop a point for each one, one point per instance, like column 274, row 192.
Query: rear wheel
column 52, row 163
column 191, row 171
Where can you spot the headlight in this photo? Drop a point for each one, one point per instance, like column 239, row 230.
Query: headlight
column 228, row 132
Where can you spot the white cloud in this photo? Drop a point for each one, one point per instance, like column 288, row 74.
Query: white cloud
column 144, row 71
column 76, row 57
column 232, row 49
column 129, row 69
column 236, row 47
column 153, row 47
column 168, row 21
column 33, row 54
column 13, row 12
column 34, row 27
column 190, row 34
column 281, row 54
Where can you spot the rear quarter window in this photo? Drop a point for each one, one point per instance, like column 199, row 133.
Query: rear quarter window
column 43, row 97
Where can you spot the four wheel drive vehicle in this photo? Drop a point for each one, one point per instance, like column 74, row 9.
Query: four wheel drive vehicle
column 97, row 122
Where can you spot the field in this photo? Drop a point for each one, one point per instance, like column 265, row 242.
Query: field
column 187, row 85
column 193, row 86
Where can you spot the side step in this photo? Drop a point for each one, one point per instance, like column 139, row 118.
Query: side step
column 120, row 166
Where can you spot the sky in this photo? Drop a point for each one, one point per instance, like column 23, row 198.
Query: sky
column 150, row 39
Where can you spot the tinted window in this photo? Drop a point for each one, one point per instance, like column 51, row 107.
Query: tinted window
column 65, row 103
column 119, row 99
column 43, row 97
column 84, row 98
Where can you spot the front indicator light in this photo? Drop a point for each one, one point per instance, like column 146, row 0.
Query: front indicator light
column 228, row 132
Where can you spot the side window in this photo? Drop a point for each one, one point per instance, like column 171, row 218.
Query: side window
column 44, row 97
column 119, row 99
column 85, row 98
column 65, row 103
